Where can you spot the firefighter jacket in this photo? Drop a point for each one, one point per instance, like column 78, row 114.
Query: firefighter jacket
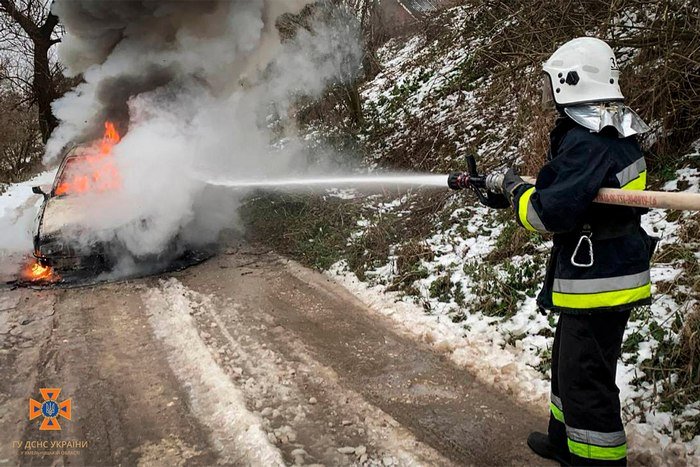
column 608, row 269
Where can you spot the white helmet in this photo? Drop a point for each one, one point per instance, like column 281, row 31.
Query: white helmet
column 584, row 70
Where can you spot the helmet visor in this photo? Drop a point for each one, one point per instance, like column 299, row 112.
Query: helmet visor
column 547, row 93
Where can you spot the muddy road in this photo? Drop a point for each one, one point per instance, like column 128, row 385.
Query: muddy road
column 245, row 359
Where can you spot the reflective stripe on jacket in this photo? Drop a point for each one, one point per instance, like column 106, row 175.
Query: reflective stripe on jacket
column 561, row 202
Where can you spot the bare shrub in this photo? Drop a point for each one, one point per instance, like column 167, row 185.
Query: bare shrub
column 665, row 47
column 20, row 139
column 657, row 43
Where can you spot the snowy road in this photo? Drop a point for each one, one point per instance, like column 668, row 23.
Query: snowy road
column 246, row 359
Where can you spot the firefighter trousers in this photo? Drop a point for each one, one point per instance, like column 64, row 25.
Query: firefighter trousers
column 585, row 404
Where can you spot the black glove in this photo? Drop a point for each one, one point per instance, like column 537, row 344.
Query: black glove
column 511, row 181
column 495, row 200
column 494, row 191
column 460, row 180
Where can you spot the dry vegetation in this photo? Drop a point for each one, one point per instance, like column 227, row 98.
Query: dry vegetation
column 658, row 46
column 20, row 139
column 657, row 43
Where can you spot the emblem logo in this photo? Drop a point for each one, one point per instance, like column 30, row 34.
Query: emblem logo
column 613, row 64
column 50, row 408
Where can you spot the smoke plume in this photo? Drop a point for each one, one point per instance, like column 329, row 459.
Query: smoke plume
column 194, row 87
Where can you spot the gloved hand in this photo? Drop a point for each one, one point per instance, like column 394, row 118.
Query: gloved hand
column 494, row 191
column 511, row 181
column 495, row 200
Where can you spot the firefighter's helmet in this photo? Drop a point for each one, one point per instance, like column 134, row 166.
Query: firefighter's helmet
column 584, row 70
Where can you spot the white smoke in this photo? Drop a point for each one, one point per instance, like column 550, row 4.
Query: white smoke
column 197, row 85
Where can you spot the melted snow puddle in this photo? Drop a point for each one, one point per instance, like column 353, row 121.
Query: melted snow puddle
column 235, row 432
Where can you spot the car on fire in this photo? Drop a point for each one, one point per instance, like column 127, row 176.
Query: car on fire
column 85, row 218
column 59, row 237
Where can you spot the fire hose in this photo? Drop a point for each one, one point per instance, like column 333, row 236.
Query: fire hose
column 641, row 199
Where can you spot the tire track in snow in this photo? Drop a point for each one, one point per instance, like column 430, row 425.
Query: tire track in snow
column 235, row 432
column 278, row 377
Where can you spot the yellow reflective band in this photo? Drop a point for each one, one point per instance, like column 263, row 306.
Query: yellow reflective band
column 558, row 414
column 602, row 299
column 588, row 451
column 522, row 209
column 639, row 183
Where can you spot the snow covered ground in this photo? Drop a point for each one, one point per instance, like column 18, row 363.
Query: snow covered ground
column 18, row 210
column 218, row 401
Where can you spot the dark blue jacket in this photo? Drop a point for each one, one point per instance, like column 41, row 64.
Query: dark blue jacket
column 561, row 202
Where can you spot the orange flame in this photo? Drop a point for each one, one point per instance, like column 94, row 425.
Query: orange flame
column 36, row 272
column 95, row 171
column 110, row 138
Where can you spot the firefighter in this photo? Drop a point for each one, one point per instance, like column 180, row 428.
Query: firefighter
column 598, row 269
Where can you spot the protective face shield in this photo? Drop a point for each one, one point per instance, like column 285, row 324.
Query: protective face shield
column 547, row 94
column 582, row 71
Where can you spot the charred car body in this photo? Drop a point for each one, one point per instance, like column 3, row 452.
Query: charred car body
column 77, row 224
column 87, row 219
column 61, row 239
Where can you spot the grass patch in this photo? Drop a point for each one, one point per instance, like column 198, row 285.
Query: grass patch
column 409, row 268
column 545, row 364
column 309, row 228
column 370, row 250
column 675, row 369
column 501, row 288
column 513, row 240
column 441, row 289
column 320, row 230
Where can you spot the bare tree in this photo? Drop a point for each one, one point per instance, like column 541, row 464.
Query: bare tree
column 29, row 29
column 20, row 145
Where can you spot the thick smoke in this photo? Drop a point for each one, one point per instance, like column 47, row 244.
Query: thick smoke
column 195, row 87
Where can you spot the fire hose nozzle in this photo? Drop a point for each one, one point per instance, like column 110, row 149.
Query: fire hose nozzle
column 458, row 180
column 494, row 182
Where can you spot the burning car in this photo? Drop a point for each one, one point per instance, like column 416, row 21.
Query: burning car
column 85, row 219
column 87, row 171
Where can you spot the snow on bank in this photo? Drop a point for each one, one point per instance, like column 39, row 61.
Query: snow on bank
column 505, row 368
column 508, row 368
column 236, row 433
column 18, row 210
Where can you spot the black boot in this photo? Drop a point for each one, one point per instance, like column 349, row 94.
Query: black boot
column 543, row 447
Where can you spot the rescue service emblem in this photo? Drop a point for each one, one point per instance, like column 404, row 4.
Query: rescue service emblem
column 50, row 409
column 613, row 64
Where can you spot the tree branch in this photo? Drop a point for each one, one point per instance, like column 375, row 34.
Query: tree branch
column 49, row 25
column 24, row 21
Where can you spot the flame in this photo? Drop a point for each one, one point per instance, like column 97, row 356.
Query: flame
column 110, row 138
column 95, row 171
column 36, row 272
